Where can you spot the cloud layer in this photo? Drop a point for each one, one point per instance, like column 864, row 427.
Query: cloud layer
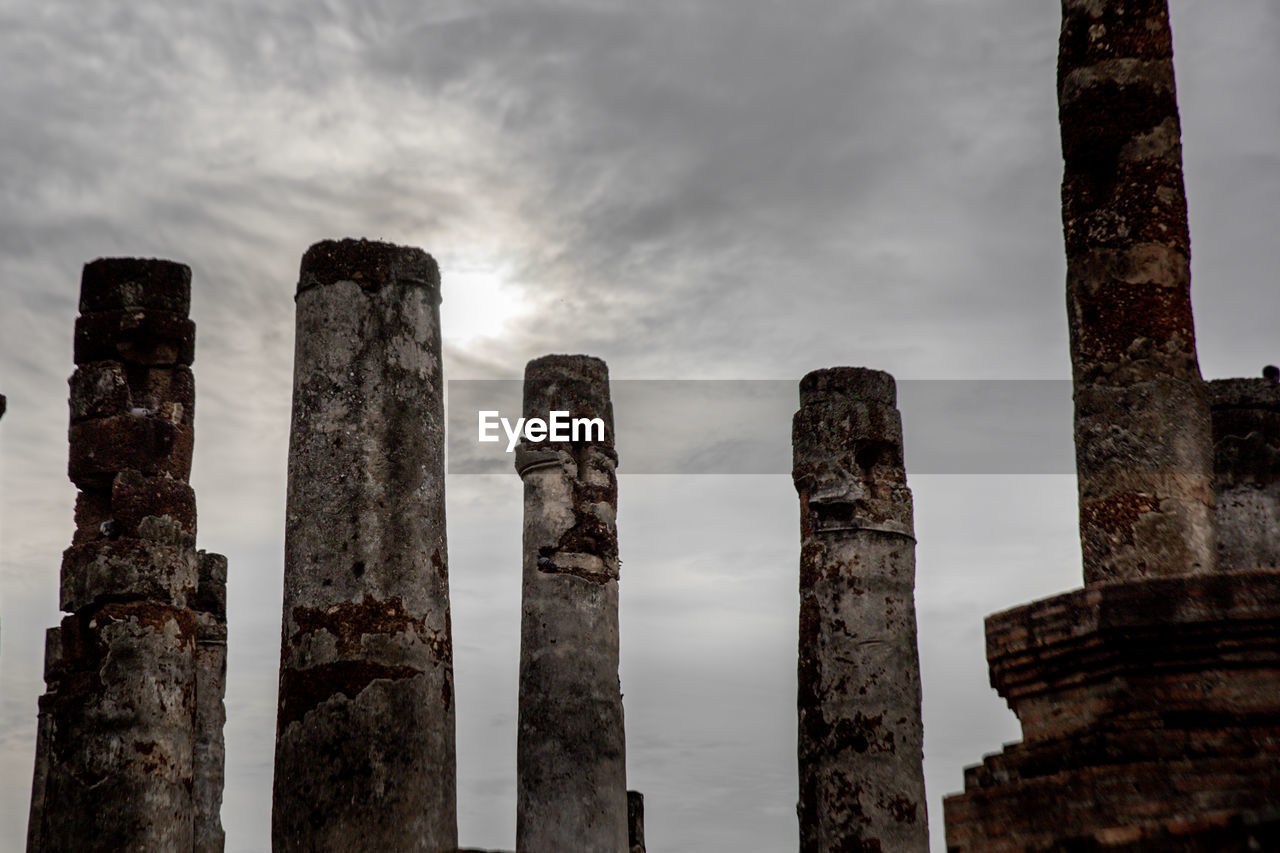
column 700, row 190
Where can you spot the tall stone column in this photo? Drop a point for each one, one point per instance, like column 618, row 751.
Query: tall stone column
column 365, row 724
column 1148, row 698
column 1143, row 438
column 571, row 788
column 861, row 738
column 210, row 713
column 116, row 756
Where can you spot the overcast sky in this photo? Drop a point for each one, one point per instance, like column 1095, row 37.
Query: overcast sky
column 697, row 190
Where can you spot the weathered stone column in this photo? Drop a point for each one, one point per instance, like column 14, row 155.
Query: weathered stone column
column 1143, row 444
column 365, row 723
column 571, row 787
column 116, row 760
column 210, row 713
column 861, row 736
column 1246, row 436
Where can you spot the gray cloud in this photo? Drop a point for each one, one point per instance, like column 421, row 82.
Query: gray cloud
column 695, row 190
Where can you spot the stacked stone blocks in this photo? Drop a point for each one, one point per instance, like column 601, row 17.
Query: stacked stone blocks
column 129, row 750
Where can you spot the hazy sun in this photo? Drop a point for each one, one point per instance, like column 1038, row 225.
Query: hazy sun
column 479, row 302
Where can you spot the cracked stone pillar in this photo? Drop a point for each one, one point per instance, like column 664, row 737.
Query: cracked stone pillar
column 116, row 755
column 860, row 734
column 571, row 787
column 365, row 722
column 1143, row 439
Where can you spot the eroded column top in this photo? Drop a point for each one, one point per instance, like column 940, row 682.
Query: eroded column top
column 369, row 263
column 847, row 451
column 576, row 383
column 1261, row 393
column 843, row 383
column 112, row 284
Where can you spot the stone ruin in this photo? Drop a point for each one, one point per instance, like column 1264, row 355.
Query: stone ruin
column 366, row 657
column 861, row 739
column 1149, row 699
column 129, row 741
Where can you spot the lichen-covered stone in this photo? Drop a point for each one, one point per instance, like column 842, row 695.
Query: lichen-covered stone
column 1143, row 445
column 860, row 732
column 208, row 750
column 125, row 756
column 1246, row 455
column 571, row 787
column 1148, row 700
column 365, row 724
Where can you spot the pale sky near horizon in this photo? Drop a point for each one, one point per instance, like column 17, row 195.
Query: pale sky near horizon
column 696, row 190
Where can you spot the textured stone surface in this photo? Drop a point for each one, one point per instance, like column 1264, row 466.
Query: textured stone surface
column 1246, row 461
column 860, row 733
column 1150, row 713
column 1149, row 701
column 571, row 788
column 365, row 724
column 210, row 603
column 1142, row 431
column 120, row 708
column 125, row 758
column 635, row 821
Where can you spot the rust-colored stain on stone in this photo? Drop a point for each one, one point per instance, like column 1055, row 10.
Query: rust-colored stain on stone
column 1117, row 514
column 303, row 689
column 153, row 615
column 1109, row 325
column 350, row 621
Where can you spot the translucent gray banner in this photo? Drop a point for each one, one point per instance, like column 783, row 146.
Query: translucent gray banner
column 743, row 426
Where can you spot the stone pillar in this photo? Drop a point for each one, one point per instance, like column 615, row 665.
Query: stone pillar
column 571, row 789
column 210, row 713
column 635, row 821
column 116, row 760
column 1246, row 438
column 861, row 737
column 365, row 723
column 1148, row 699
column 1143, row 445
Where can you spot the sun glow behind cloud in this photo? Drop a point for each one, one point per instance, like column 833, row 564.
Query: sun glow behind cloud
column 480, row 302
